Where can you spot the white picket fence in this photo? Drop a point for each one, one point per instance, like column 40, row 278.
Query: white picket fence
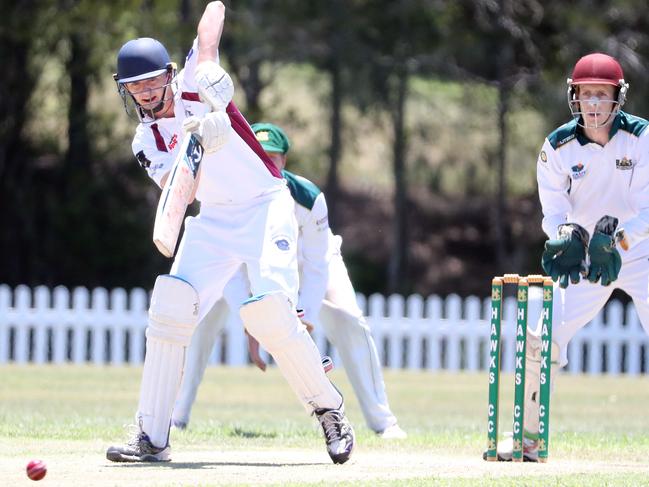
column 43, row 325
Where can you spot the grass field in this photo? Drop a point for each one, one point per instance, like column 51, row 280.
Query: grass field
column 249, row 429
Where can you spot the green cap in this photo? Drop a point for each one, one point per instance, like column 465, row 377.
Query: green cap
column 271, row 137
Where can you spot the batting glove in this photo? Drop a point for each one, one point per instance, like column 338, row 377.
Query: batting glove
column 605, row 260
column 214, row 85
column 213, row 129
column 564, row 258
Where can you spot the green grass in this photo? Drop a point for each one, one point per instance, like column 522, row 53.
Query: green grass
column 599, row 430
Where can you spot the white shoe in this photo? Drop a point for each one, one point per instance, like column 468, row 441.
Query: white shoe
column 393, row 432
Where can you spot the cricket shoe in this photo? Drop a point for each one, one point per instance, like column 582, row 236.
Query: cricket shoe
column 393, row 432
column 179, row 421
column 506, row 448
column 179, row 424
column 338, row 433
column 139, row 449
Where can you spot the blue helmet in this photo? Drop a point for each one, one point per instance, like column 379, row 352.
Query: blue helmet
column 140, row 59
column 137, row 60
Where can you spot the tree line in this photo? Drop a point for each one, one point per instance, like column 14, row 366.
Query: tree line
column 75, row 207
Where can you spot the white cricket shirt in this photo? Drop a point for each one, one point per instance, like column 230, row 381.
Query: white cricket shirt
column 580, row 181
column 235, row 174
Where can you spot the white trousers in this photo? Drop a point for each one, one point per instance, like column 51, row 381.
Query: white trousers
column 262, row 236
column 348, row 331
column 578, row 304
column 344, row 325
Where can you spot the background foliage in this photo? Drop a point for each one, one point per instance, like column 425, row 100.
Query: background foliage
column 421, row 119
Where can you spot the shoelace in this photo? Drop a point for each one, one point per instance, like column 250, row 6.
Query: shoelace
column 135, row 435
column 331, row 424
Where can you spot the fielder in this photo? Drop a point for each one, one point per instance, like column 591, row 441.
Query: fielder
column 323, row 275
column 593, row 180
column 246, row 219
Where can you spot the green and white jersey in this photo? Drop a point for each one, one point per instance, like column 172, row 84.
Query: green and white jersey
column 313, row 243
column 580, row 181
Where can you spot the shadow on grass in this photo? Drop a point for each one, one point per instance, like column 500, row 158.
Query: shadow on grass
column 240, row 433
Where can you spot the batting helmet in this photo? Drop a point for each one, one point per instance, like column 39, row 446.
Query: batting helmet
column 141, row 59
column 597, row 68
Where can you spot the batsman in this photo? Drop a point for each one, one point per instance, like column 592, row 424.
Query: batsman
column 593, row 180
column 246, row 219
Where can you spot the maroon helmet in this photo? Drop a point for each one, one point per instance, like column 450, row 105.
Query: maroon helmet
column 597, row 68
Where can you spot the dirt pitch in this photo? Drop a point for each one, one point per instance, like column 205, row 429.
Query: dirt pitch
column 265, row 467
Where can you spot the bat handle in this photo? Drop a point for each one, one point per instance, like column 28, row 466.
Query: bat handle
column 192, row 124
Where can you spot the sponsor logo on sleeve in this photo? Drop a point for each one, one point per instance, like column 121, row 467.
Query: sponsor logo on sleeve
column 624, row 164
column 143, row 160
column 543, row 156
column 578, row 171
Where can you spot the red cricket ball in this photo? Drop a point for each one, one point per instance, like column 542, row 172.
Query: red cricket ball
column 36, row 469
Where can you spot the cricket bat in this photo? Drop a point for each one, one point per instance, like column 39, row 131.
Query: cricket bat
column 175, row 195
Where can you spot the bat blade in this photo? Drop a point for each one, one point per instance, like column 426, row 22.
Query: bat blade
column 175, row 195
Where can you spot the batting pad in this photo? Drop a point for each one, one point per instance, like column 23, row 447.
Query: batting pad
column 173, row 315
column 272, row 320
column 533, row 382
column 163, row 370
column 197, row 356
column 351, row 337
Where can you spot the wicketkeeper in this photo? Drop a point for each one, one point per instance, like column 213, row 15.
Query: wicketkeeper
column 326, row 297
column 246, row 219
column 593, row 179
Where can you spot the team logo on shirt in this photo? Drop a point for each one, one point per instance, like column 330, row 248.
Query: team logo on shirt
column 578, row 171
column 624, row 164
column 322, row 220
column 143, row 159
column 282, row 242
column 543, row 156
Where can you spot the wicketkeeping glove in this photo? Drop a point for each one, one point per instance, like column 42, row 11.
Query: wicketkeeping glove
column 564, row 258
column 605, row 260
